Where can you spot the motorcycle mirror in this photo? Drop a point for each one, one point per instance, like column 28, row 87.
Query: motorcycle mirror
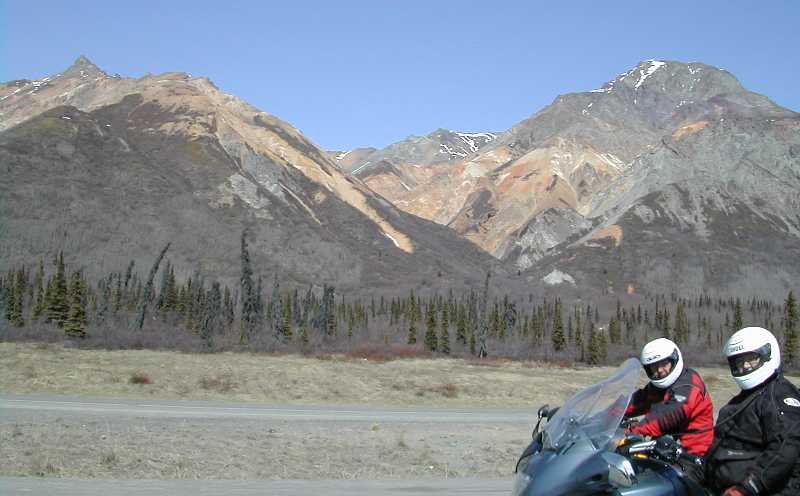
column 620, row 470
column 543, row 411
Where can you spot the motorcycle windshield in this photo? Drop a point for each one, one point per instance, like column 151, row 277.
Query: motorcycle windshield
column 594, row 413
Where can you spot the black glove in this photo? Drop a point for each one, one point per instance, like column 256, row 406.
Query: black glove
column 667, row 448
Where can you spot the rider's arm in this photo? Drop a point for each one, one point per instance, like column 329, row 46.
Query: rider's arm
column 639, row 405
column 781, row 428
column 669, row 417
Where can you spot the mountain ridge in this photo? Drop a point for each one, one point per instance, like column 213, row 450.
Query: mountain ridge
column 224, row 159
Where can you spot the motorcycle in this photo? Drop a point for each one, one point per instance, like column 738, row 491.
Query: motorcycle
column 583, row 450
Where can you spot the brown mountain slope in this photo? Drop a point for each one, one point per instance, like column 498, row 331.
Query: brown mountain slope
column 171, row 158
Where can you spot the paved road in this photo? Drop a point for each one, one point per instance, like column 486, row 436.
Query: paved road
column 46, row 407
column 15, row 406
column 65, row 487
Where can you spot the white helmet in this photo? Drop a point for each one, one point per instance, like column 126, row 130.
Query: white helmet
column 657, row 351
column 753, row 355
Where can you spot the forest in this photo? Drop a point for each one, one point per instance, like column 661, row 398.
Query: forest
column 127, row 309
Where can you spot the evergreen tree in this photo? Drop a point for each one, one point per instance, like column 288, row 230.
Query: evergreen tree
column 483, row 329
column 171, row 296
column 727, row 325
column 329, row 310
column 738, row 321
column 665, row 327
column 212, row 315
column 105, row 298
column 249, row 319
column 297, row 308
column 681, row 325
column 351, row 322
column 276, row 309
column 630, row 332
column 58, row 304
column 614, row 330
column 258, row 305
column 790, row 324
column 461, row 326
column 227, row 305
column 570, row 330
column 412, row 332
column 472, row 343
column 16, row 299
column 162, row 290
column 509, row 317
column 117, row 296
column 603, row 344
column 579, row 344
column 431, row 340
column 287, row 317
column 75, row 325
column 39, row 305
column 148, row 288
column 188, row 304
column 559, row 342
column 594, row 352
column 444, row 336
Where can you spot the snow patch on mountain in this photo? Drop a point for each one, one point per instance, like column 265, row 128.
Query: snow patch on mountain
column 649, row 71
column 469, row 139
column 443, row 148
column 356, row 171
column 393, row 240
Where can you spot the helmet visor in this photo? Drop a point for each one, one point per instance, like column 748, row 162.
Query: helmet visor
column 749, row 361
column 662, row 368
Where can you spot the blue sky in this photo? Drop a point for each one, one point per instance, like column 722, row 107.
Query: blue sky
column 368, row 73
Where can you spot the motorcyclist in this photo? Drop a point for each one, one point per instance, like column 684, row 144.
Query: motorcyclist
column 757, row 437
column 674, row 402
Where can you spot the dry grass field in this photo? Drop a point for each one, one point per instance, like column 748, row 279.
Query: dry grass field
column 294, row 379
column 271, row 449
column 327, row 379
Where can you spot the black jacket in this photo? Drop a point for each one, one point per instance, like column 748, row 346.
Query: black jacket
column 757, row 441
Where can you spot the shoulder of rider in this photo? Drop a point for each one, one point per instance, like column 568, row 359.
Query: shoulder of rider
column 682, row 389
column 787, row 397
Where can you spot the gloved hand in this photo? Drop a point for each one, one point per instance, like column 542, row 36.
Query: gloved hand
column 667, row 448
column 736, row 491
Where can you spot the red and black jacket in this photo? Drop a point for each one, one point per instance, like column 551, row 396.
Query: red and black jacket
column 683, row 410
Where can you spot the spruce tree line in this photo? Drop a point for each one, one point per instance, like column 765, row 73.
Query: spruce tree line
column 317, row 319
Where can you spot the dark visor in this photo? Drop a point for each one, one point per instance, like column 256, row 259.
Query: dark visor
column 753, row 359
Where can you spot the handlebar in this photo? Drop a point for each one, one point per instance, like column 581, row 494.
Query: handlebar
column 665, row 448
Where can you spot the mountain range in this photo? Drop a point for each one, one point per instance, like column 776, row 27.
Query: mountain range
column 671, row 177
column 110, row 169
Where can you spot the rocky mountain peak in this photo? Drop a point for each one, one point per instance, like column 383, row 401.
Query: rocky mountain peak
column 684, row 81
column 84, row 67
